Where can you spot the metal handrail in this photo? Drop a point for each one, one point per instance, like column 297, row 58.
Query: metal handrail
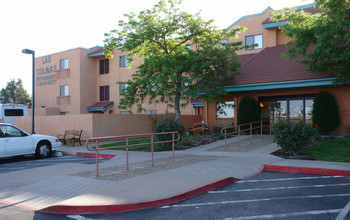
column 127, row 145
column 238, row 131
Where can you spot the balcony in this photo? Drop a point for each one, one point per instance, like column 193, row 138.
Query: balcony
column 63, row 100
column 63, row 74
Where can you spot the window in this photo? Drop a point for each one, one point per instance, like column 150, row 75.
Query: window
column 64, row 91
column 14, row 112
column 124, row 112
column 104, row 93
column 64, row 113
column 225, row 110
column 123, row 61
column 104, row 66
column 151, row 112
column 63, row 64
column 122, row 87
column 224, row 41
column 254, row 42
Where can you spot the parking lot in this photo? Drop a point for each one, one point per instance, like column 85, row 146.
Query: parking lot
column 27, row 162
column 268, row 195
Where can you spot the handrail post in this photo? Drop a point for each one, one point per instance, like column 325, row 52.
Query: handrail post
column 152, row 149
column 239, row 135
column 270, row 127
column 127, row 154
column 97, row 174
column 225, row 139
column 173, row 142
column 250, row 124
column 261, row 128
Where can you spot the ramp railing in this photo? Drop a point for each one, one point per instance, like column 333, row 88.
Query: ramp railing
column 232, row 130
column 127, row 138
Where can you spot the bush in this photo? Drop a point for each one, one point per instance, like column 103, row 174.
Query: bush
column 325, row 114
column 292, row 137
column 167, row 124
column 248, row 111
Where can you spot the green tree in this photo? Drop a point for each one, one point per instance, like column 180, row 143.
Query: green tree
column 14, row 93
column 172, row 72
column 321, row 39
column 248, row 111
column 325, row 113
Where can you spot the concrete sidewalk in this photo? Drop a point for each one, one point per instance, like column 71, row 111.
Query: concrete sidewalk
column 73, row 188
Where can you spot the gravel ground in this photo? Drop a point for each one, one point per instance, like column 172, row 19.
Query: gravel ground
column 118, row 173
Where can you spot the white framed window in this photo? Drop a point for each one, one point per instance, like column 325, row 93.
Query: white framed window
column 123, row 61
column 224, row 41
column 64, row 91
column 254, row 42
column 151, row 112
column 124, row 112
column 122, row 87
column 225, row 110
column 64, row 64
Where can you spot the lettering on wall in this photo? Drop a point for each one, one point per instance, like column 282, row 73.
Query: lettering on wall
column 46, row 75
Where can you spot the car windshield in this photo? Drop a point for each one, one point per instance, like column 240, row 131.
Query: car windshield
column 9, row 131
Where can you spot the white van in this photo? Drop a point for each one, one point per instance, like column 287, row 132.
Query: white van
column 8, row 112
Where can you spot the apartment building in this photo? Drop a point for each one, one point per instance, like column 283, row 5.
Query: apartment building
column 82, row 81
column 283, row 87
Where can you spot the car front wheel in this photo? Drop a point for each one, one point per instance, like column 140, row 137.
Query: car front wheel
column 43, row 149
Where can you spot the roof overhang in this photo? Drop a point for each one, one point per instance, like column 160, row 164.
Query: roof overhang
column 280, row 85
column 100, row 106
column 273, row 24
column 197, row 104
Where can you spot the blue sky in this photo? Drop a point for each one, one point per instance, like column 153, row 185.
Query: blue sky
column 50, row 26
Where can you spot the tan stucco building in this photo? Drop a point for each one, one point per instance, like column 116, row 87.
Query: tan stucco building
column 81, row 81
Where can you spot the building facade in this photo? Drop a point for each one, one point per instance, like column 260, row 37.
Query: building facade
column 82, row 81
column 283, row 88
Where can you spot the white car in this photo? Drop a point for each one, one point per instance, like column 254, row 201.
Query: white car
column 14, row 141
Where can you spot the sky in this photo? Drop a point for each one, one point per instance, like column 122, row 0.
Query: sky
column 51, row 26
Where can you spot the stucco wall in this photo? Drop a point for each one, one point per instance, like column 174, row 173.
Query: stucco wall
column 341, row 93
column 97, row 125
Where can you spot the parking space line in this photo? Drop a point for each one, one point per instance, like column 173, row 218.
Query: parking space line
column 279, row 188
column 285, row 179
column 256, row 200
column 283, row 215
column 343, row 212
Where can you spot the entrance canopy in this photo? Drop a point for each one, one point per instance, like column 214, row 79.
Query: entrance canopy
column 100, row 106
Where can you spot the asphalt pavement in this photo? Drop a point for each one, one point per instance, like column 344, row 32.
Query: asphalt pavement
column 73, row 187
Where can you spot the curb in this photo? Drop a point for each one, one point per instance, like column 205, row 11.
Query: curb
column 84, row 209
column 85, row 154
column 321, row 171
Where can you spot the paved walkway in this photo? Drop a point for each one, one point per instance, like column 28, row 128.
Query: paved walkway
column 74, row 188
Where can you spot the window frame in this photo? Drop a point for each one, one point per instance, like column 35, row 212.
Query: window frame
column 64, row 90
column 228, row 103
column 123, row 61
column 104, row 93
column 103, row 66
column 64, row 64
column 252, row 46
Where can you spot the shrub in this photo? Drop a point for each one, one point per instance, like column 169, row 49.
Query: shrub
column 167, row 124
column 248, row 111
column 325, row 114
column 292, row 137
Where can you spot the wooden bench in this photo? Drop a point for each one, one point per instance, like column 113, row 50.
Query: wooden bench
column 73, row 135
column 199, row 128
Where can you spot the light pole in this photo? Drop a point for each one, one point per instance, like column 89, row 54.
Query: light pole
column 27, row 51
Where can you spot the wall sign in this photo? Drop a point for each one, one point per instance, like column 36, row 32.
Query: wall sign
column 46, row 75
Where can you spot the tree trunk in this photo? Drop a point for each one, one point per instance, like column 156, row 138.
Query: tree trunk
column 177, row 109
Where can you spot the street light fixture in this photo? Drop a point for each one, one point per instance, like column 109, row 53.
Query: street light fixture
column 27, row 51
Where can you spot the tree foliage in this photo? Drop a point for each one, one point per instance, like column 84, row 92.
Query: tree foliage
column 248, row 111
column 14, row 93
column 325, row 113
column 321, row 39
column 172, row 72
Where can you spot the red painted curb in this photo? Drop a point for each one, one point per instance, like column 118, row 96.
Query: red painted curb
column 322, row 171
column 65, row 209
column 84, row 154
